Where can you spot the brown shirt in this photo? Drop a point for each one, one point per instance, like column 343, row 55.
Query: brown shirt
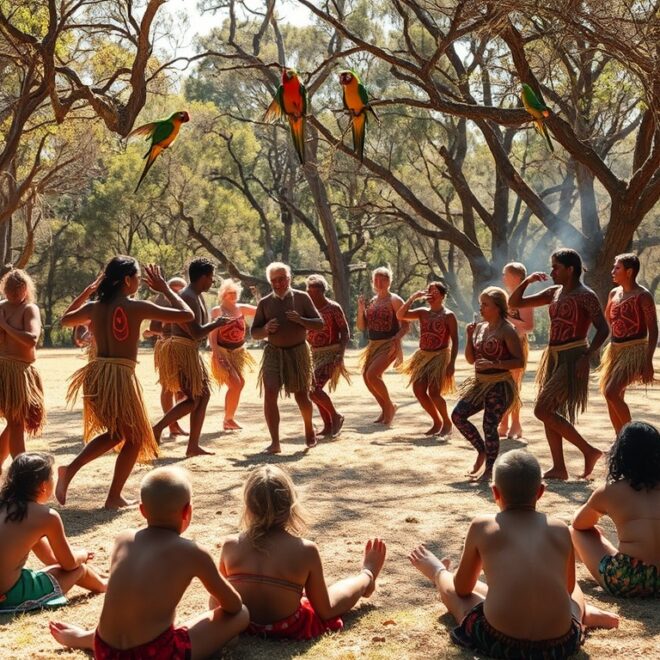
column 289, row 333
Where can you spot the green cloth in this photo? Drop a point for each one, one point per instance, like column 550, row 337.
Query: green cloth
column 32, row 591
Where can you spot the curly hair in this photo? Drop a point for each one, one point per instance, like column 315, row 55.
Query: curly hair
column 270, row 503
column 635, row 456
column 26, row 474
column 15, row 279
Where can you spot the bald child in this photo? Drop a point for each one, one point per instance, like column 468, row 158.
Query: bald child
column 150, row 569
column 532, row 606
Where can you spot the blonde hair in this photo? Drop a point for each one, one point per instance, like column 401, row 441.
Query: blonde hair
column 228, row 285
column 177, row 281
column 499, row 297
column 382, row 270
column 277, row 265
column 164, row 492
column 15, row 279
column 270, row 503
column 319, row 281
column 517, row 268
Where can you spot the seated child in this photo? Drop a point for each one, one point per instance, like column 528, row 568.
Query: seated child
column 271, row 565
column 150, row 570
column 631, row 498
column 531, row 607
column 27, row 524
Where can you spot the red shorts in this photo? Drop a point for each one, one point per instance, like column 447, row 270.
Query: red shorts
column 173, row 644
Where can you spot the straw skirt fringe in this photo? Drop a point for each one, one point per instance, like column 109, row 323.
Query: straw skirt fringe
column 113, row 402
column 22, row 395
column 181, row 368
column 292, row 366
column 324, row 356
column 431, row 366
column 623, row 364
column 238, row 359
column 377, row 347
column 475, row 388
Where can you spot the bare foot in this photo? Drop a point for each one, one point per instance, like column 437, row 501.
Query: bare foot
column 515, row 432
column 434, row 429
column 503, row 431
column 231, row 425
column 374, row 558
column 175, row 430
column 485, row 478
column 273, row 449
column 555, row 473
column 337, row 425
column 481, row 459
column 157, row 433
column 446, row 430
column 72, row 636
column 311, row 442
column 114, row 503
column 197, row 451
column 590, row 461
column 379, row 420
column 388, row 417
column 594, row 617
column 427, row 563
column 62, row 484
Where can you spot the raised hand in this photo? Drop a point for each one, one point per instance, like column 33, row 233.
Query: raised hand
column 154, row 278
column 538, row 277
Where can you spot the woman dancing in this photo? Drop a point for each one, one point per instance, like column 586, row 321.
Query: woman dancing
column 230, row 357
column 378, row 318
column 431, row 367
column 113, row 405
column 493, row 347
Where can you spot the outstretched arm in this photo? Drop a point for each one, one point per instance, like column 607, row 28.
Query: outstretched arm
column 519, row 300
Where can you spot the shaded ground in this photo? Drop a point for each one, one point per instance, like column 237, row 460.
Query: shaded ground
column 394, row 483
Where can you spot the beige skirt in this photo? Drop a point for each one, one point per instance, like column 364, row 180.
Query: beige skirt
column 22, row 395
column 430, row 366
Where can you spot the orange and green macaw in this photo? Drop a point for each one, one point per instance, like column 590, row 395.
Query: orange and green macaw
column 356, row 101
column 291, row 100
column 538, row 110
column 162, row 133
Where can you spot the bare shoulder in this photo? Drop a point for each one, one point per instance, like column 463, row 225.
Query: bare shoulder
column 231, row 544
column 32, row 308
column 482, row 523
column 396, row 300
column 309, row 549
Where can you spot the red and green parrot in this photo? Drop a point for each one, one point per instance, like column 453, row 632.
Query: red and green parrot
column 162, row 133
column 356, row 101
column 538, row 110
column 291, row 100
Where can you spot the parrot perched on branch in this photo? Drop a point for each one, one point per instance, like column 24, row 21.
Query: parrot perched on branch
column 290, row 100
column 162, row 133
column 356, row 101
column 538, row 110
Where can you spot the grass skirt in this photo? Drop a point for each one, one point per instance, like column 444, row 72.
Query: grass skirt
column 238, row 359
column 113, row 402
column 430, row 366
column 474, row 389
column 559, row 388
column 181, row 367
column 22, row 395
column 326, row 356
column 623, row 364
column 377, row 347
column 292, row 366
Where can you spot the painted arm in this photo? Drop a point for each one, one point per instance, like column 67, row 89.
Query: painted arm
column 518, row 300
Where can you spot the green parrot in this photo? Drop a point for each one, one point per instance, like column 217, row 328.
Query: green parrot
column 356, row 101
column 538, row 110
column 291, row 100
column 162, row 133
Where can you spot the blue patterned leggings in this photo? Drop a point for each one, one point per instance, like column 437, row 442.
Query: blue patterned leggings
column 494, row 404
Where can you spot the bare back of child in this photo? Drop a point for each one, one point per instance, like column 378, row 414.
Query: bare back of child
column 28, row 524
column 631, row 498
column 271, row 566
column 531, row 603
column 150, row 571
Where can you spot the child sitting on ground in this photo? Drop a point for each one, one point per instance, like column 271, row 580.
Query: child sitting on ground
column 631, row 498
column 271, row 565
column 531, row 607
column 149, row 572
column 27, row 524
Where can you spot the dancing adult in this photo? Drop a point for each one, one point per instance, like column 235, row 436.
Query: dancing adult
column 431, row 367
column 633, row 321
column 328, row 347
column 21, row 391
column 283, row 318
column 229, row 358
column 112, row 396
column 378, row 318
column 523, row 321
column 180, row 366
column 563, row 373
column 162, row 331
column 493, row 347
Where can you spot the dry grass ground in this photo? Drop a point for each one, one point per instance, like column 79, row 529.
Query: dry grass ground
column 394, row 483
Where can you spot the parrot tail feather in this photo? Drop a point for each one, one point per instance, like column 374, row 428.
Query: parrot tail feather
column 359, row 126
column 150, row 161
column 297, row 125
